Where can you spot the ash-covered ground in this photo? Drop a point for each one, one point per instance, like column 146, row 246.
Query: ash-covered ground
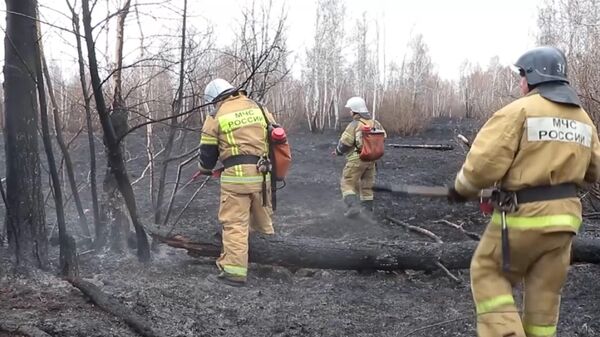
column 177, row 299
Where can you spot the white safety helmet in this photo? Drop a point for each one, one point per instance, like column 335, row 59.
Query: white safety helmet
column 214, row 88
column 357, row 105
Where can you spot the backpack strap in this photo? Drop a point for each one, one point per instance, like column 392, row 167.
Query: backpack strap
column 272, row 159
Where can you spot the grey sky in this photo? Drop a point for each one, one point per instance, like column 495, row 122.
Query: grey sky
column 454, row 30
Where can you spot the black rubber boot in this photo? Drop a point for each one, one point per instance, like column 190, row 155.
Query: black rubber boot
column 367, row 205
column 366, row 210
column 228, row 279
column 353, row 206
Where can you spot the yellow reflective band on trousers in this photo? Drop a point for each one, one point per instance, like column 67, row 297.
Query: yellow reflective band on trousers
column 493, row 303
column 533, row 222
column 540, row 330
column 235, row 270
column 347, row 193
column 244, row 180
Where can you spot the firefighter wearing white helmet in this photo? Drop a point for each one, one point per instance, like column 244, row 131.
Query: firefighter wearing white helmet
column 537, row 150
column 358, row 176
column 214, row 89
column 358, row 105
column 235, row 134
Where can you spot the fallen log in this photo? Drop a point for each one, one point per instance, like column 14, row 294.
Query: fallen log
column 114, row 307
column 21, row 329
column 357, row 255
column 437, row 147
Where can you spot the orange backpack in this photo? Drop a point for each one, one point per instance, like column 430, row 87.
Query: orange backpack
column 373, row 143
column 281, row 154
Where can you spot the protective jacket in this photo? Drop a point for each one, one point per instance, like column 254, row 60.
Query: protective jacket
column 534, row 142
column 237, row 128
column 350, row 142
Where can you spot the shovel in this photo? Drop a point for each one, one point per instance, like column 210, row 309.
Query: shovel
column 423, row 191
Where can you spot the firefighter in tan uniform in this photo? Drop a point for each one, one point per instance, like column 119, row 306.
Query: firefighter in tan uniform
column 235, row 134
column 358, row 176
column 536, row 150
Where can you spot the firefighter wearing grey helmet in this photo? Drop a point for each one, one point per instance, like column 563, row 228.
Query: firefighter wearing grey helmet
column 536, row 151
column 358, row 176
column 545, row 68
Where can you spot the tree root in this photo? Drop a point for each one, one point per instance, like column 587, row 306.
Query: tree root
column 415, row 229
column 430, row 235
column 471, row 235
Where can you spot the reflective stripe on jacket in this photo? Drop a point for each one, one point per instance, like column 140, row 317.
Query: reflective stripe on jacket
column 534, row 142
column 237, row 128
column 350, row 142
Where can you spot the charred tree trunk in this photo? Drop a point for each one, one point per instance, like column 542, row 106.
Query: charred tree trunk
column 175, row 110
column 113, row 206
column 99, row 227
column 109, row 304
column 25, row 205
column 117, row 164
column 328, row 254
column 68, row 255
column 65, row 151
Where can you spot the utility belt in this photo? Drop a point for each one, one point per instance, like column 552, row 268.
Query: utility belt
column 263, row 165
column 509, row 201
column 241, row 159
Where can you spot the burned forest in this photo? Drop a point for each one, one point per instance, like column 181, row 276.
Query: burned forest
column 113, row 222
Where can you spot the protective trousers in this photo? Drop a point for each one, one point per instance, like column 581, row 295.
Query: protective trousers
column 357, row 179
column 540, row 261
column 239, row 213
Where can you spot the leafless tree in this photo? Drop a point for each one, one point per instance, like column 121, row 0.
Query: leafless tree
column 25, row 218
column 99, row 227
column 114, row 152
column 68, row 255
column 65, row 151
column 323, row 73
column 176, row 109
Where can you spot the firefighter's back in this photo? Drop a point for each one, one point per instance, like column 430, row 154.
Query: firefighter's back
column 555, row 148
column 242, row 132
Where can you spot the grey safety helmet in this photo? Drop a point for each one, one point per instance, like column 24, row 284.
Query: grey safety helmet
column 543, row 64
column 545, row 69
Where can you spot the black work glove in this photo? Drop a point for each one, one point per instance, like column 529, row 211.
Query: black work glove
column 454, row 197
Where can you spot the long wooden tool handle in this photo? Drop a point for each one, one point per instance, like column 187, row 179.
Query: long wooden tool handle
column 424, row 191
column 427, row 191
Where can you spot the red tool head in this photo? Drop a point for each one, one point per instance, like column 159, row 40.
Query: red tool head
column 486, row 206
column 278, row 134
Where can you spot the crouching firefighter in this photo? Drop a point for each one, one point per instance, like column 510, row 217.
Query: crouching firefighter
column 362, row 143
column 236, row 133
column 536, row 151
